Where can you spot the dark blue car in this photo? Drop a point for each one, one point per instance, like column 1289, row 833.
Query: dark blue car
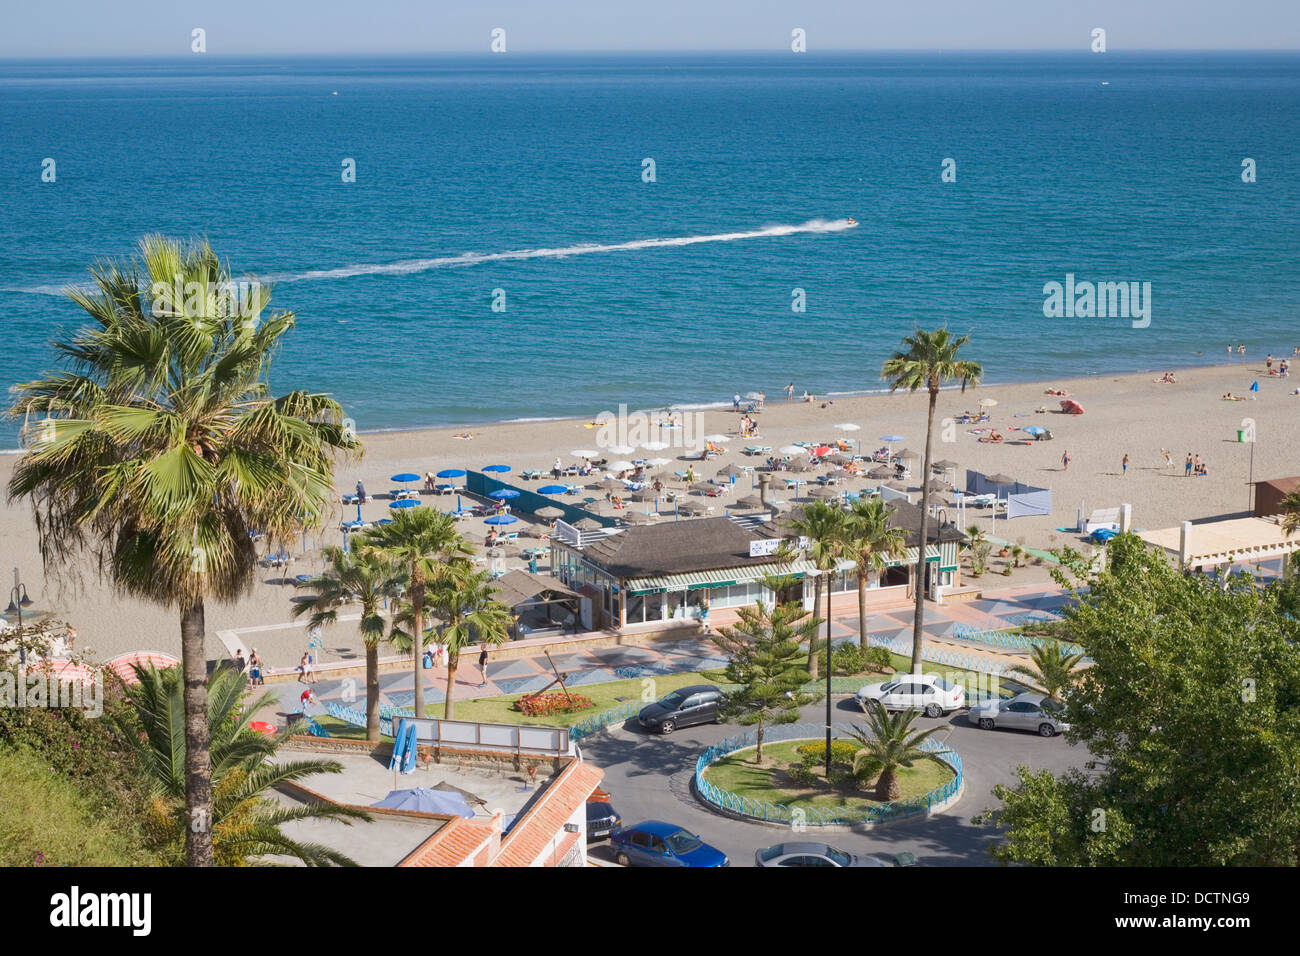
column 655, row 843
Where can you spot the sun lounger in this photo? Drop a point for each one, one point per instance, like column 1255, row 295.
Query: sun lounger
column 532, row 475
column 757, row 449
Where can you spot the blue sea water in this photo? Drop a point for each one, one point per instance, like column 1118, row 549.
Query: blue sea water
column 1111, row 167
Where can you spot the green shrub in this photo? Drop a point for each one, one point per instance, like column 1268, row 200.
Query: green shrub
column 801, row 775
column 877, row 658
column 812, row 755
column 846, row 659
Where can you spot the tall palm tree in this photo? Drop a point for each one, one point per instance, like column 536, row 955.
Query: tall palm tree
column 465, row 598
column 162, row 447
column 419, row 540
column 1290, row 509
column 928, row 360
column 1053, row 669
column 245, row 821
column 870, row 542
column 369, row 578
column 822, row 523
column 888, row 744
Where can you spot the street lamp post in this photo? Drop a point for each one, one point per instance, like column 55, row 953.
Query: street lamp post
column 18, row 600
column 829, row 576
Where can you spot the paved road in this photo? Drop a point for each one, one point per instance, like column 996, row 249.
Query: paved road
column 650, row 777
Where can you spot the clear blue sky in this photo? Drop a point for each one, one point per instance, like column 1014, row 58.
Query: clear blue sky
column 56, row 28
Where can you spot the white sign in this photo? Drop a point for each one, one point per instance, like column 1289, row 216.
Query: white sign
column 765, row 546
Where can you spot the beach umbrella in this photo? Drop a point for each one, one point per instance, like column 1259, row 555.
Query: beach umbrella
column 452, row 473
column 717, row 439
column 1000, row 479
column 404, row 503
column 405, row 477
column 1034, row 430
column 896, row 485
column 987, row 402
column 821, row 451
column 793, row 450
column 730, row 470
column 839, row 459
column 658, row 462
column 934, row 484
column 654, row 445
column 588, row 524
column 943, row 464
column 645, row 494
column 822, row 491
column 754, row 396
column 621, row 450
column 1254, row 386
column 891, row 439
column 549, row 512
column 621, row 466
column 497, row 468
column 692, row 505
column 750, row 502
column 501, row 519
column 501, row 494
column 848, row 427
column 906, row 453
column 609, row 484
column 553, row 489
column 635, row 517
column 424, row 800
column 881, row 473
column 799, row 466
column 1071, row 407
column 584, row 453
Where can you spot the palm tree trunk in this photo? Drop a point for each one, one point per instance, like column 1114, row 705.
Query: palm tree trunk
column 198, row 762
column 372, row 692
column 862, row 609
column 812, row 641
column 918, row 636
column 453, row 661
column 887, row 787
column 417, row 638
column 759, row 744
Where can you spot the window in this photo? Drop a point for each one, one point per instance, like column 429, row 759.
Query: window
column 641, row 840
column 806, row 861
column 693, row 701
column 635, row 608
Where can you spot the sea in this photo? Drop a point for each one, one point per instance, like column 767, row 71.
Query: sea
column 543, row 236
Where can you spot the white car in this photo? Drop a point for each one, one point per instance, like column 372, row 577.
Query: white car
column 924, row 692
column 1026, row 711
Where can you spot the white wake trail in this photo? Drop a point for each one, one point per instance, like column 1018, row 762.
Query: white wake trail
column 408, row 266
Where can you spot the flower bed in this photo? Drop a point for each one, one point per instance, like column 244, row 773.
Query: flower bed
column 556, row 702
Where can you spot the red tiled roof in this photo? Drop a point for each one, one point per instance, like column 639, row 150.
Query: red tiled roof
column 453, row 845
column 534, row 831
column 121, row 665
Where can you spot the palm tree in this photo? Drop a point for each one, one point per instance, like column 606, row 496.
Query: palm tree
column 870, row 542
column 822, row 523
column 369, row 578
column 245, row 821
column 419, row 540
column 888, row 744
column 1053, row 668
column 464, row 598
column 1290, row 509
column 928, row 361
column 162, row 448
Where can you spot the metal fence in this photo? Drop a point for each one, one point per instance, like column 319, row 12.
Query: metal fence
column 796, row 814
column 1008, row 639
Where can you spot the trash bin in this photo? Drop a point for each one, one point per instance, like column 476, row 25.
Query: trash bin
column 1241, row 434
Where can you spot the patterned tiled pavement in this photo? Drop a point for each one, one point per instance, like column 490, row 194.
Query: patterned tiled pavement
column 998, row 611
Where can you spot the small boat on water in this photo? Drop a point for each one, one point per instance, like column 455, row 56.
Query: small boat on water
column 852, row 221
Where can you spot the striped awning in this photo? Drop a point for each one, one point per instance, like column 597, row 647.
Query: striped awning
column 725, row 577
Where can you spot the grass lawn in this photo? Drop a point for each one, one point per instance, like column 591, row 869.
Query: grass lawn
column 344, row 730
column 738, row 773
column 497, row 710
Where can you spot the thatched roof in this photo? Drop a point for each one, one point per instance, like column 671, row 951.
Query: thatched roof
column 675, row 547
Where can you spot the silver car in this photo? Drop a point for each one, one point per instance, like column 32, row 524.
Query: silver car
column 1026, row 711
column 811, row 854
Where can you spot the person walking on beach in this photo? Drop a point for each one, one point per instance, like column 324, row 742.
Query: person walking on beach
column 240, row 663
column 735, row 402
column 1124, row 466
column 789, row 392
column 482, row 666
column 1169, row 462
column 1065, row 460
column 1196, row 465
column 255, row 668
column 1187, row 466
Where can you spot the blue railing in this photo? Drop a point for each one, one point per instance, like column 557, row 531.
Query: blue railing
column 1008, row 639
column 599, row 722
column 795, row 813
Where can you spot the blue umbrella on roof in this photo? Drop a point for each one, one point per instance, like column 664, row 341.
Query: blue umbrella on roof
column 501, row 494
column 404, row 503
column 553, row 489
column 499, row 468
column 424, row 800
column 501, row 519
column 452, row 473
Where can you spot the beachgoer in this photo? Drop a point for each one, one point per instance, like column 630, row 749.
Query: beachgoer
column 735, row 402
column 428, row 481
column 1124, row 466
column 255, row 668
column 1168, row 459
column 557, row 468
column 1268, row 361
column 240, row 663
column 305, row 698
column 1065, row 461
column 1196, row 465
column 1187, row 466
column 70, row 637
column 482, row 666
column 303, row 668
column 789, row 392
column 361, row 493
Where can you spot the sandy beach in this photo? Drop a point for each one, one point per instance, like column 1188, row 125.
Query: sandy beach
column 1131, row 414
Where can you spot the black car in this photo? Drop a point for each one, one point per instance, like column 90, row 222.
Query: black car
column 682, row 708
column 603, row 821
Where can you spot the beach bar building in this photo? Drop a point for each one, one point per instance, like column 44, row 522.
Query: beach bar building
column 660, row 576
column 1225, row 544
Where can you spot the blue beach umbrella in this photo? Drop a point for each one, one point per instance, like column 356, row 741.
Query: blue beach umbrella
column 1034, row 430
column 405, row 503
column 501, row 494
column 405, row 477
column 424, row 800
column 553, row 489
column 501, row 519
column 1254, row 386
column 498, row 468
column 452, row 473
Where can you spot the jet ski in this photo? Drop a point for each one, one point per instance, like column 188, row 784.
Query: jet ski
column 852, row 222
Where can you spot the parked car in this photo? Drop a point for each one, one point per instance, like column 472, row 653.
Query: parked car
column 812, row 854
column 925, row 692
column 1028, row 711
column 685, row 706
column 603, row 820
column 655, row 843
